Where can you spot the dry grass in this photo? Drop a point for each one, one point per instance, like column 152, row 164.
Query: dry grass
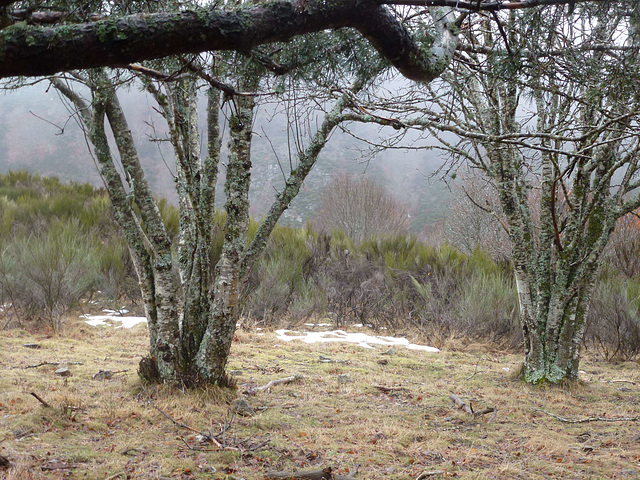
column 334, row 416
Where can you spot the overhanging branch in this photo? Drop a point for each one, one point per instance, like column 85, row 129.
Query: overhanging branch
column 30, row 50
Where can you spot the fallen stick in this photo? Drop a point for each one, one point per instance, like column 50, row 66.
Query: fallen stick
column 324, row 474
column 37, row 397
column 460, row 404
column 469, row 408
column 53, row 363
column 272, row 383
column 589, row 419
column 384, row 389
column 430, row 473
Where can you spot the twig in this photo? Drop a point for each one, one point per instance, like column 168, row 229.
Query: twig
column 53, row 363
column 384, row 389
column 176, row 423
column 272, row 383
column 324, row 474
column 621, row 381
column 430, row 473
column 460, row 404
column 37, row 397
column 120, row 474
column 469, row 408
column 589, row 419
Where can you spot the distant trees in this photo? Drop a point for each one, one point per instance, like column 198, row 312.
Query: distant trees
column 361, row 208
column 475, row 218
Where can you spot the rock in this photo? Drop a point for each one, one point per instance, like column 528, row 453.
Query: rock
column 241, row 407
column 391, row 351
column 63, row 372
column 344, row 378
column 32, row 345
column 325, row 359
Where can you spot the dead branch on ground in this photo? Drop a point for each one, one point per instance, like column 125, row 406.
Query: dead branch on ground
column 324, row 474
column 589, row 419
column 55, row 364
column 469, row 408
column 385, row 389
column 37, row 397
column 272, row 383
column 430, row 473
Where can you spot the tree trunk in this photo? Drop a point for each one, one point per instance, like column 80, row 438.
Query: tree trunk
column 214, row 349
column 553, row 336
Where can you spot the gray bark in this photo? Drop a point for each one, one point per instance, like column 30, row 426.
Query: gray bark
column 34, row 50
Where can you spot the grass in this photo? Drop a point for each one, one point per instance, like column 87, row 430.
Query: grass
column 99, row 429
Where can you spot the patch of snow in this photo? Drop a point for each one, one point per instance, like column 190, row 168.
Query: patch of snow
column 108, row 321
column 424, row 348
column 506, row 369
column 361, row 339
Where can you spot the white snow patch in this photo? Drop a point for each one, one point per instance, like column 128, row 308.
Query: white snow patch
column 360, row 339
column 108, row 321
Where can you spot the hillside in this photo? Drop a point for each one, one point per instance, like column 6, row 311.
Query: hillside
column 38, row 134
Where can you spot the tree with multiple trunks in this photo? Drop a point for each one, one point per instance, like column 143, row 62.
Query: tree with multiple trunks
column 546, row 107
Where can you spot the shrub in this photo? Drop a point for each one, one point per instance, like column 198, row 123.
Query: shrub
column 613, row 324
column 46, row 273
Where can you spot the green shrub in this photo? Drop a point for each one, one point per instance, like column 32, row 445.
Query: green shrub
column 46, row 273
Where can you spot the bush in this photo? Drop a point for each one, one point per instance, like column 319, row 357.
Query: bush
column 46, row 273
column 613, row 325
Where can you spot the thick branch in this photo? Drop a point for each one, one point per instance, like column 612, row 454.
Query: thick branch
column 306, row 161
column 484, row 6
column 36, row 50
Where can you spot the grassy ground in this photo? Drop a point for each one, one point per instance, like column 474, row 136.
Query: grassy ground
column 335, row 415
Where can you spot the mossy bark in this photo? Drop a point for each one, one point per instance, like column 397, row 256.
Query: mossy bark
column 214, row 348
column 29, row 50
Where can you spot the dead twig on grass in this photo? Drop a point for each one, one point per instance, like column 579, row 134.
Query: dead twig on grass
column 176, row 423
column 272, row 383
column 385, row 389
column 469, row 408
column 37, row 397
column 53, row 363
column 324, row 474
column 430, row 473
column 589, row 419
column 220, row 444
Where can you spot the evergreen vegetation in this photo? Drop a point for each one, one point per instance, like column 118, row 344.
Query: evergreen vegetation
column 60, row 247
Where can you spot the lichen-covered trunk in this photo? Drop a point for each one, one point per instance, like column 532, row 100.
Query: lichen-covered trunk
column 553, row 335
column 212, row 356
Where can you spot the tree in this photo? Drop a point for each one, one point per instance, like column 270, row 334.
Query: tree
column 541, row 102
column 192, row 315
column 475, row 219
column 191, row 299
column 86, row 39
column 361, row 208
